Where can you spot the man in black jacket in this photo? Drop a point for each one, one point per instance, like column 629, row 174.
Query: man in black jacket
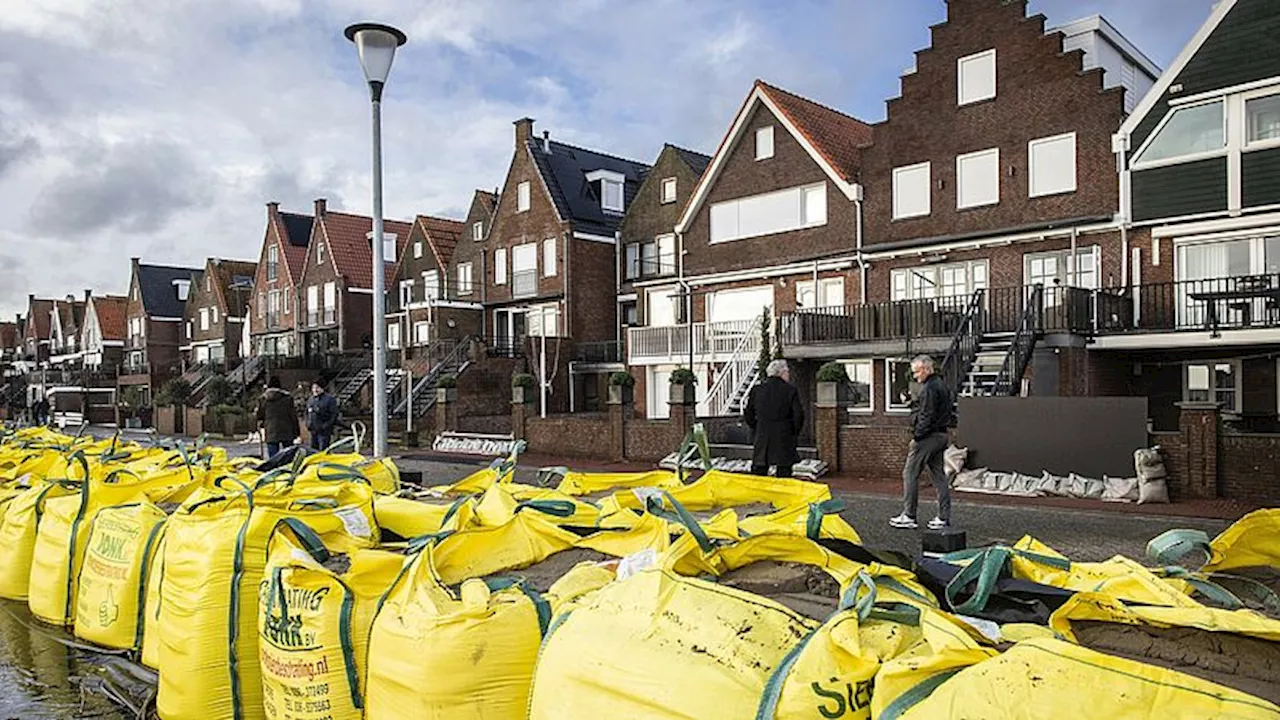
column 929, row 422
column 776, row 417
column 277, row 418
column 322, row 416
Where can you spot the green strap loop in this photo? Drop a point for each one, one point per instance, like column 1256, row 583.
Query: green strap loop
column 454, row 507
column 305, row 536
column 549, row 476
column 1264, row 595
column 896, row 612
column 862, row 602
column 679, row 514
column 985, row 571
column 339, row 473
column 554, row 508
column 148, row 552
column 1168, row 548
column 420, row 543
column 819, row 510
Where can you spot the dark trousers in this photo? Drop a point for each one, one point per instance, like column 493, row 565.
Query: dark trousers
column 922, row 454
column 320, row 441
column 784, row 471
column 272, row 449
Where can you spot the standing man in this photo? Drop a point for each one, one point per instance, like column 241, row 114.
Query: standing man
column 929, row 422
column 322, row 416
column 277, row 418
column 42, row 411
column 776, row 417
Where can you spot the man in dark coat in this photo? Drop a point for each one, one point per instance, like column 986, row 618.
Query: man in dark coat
column 776, row 417
column 322, row 416
column 930, row 420
column 277, row 418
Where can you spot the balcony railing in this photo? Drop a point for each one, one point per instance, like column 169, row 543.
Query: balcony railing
column 704, row 340
column 1228, row 303
column 609, row 351
column 524, row 283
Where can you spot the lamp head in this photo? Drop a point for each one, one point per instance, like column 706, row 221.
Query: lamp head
column 376, row 45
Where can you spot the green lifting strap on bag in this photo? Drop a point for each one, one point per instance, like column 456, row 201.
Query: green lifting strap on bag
column 1168, row 548
column 819, row 510
column 554, row 508
column 984, row 569
column 679, row 514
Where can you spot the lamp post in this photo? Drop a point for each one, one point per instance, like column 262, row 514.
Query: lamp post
column 376, row 46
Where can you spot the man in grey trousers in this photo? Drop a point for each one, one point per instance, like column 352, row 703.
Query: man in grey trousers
column 929, row 422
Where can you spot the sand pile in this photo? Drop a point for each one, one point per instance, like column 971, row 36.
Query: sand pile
column 805, row 589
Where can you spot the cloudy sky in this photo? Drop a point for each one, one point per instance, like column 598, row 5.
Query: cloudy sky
column 160, row 128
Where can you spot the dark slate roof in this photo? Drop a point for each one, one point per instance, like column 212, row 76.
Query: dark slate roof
column 159, row 294
column 695, row 160
column 565, row 170
column 298, row 228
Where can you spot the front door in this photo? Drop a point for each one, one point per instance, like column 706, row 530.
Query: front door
column 508, row 329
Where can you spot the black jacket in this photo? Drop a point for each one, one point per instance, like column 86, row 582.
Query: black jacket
column 776, row 417
column 933, row 411
column 277, row 416
column 322, row 414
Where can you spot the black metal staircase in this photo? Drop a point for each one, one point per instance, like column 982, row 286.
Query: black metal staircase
column 448, row 357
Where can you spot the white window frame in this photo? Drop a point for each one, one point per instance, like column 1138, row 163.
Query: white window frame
column 417, row 248
column 1236, row 372
column 871, row 385
column 406, row 293
column 464, row 278
column 764, row 142
column 898, row 213
column 1252, row 145
column 801, row 193
column 421, row 333
column 961, row 100
column 477, row 231
column 666, row 260
column 889, row 407
column 430, row 285
column 960, row 178
column 522, row 196
column 542, row 312
column 204, row 319
column 609, row 187
column 806, row 286
column 1031, row 167
column 905, row 285
column 668, row 190
column 330, row 296
column 1140, row 164
column 500, row 266
column 1069, row 265
column 549, row 257
column 273, row 262
column 393, row 335
column 213, row 315
column 313, row 299
column 320, row 253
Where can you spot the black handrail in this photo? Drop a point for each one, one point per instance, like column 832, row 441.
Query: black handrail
column 1024, row 341
column 964, row 344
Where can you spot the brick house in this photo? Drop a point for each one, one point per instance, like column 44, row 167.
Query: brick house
column 549, row 260
column 103, row 335
column 154, row 316
column 273, row 315
column 86, row 387
column 991, row 176
column 1196, row 326
column 35, row 337
column 648, row 255
column 335, row 286
column 215, row 314
column 429, row 299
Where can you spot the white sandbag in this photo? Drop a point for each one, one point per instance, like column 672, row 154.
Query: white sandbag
column 1053, row 485
column 953, row 459
column 1119, row 489
column 1026, row 485
column 1084, row 488
column 1149, row 464
column 969, row 479
column 993, row 481
column 1153, row 491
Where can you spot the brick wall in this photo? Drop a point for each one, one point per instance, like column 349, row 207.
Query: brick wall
column 1249, row 467
column 652, row 440
column 647, row 216
column 869, row 452
column 593, row 302
column 1173, row 448
column 581, row 435
column 486, row 424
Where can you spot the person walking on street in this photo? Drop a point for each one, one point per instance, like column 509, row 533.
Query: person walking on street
column 929, row 422
column 322, row 416
column 42, row 411
column 277, row 418
column 776, row 417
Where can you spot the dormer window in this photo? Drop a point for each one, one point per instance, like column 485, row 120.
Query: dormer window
column 609, row 187
column 184, row 289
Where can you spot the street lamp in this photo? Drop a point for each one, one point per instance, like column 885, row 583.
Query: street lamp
column 376, row 45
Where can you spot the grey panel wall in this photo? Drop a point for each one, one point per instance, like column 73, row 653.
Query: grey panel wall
column 1178, row 190
column 1093, row 436
column 1260, row 178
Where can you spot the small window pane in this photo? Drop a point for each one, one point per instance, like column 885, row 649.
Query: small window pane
column 632, row 268
column 764, row 142
column 522, row 196
column 859, row 373
column 1188, row 131
column 977, row 77
column 815, row 205
column 900, row 384
column 1264, row 118
column 669, row 190
column 612, row 195
column 667, row 254
column 548, row 257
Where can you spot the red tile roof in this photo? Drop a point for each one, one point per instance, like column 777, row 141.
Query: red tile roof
column 235, row 303
column 38, row 319
column 442, row 235
column 9, row 335
column 111, row 310
column 839, row 138
column 352, row 252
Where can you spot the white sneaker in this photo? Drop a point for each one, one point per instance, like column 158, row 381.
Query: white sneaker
column 938, row 524
column 904, row 521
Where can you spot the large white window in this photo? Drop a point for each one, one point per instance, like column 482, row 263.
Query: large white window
column 431, row 285
column 549, row 257
column 764, row 142
column 611, row 195
column 313, row 298
column 1213, row 382
column 911, row 186
column 954, row 280
column 861, row 396
column 330, row 296
column 543, row 320
column 978, row 179
column 500, row 266
column 976, row 77
column 1262, row 118
column 1187, row 131
column 829, row 293
column 464, row 278
column 769, row 213
column 1052, row 163
column 522, row 196
column 1058, row 268
column 662, row 309
column 668, row 190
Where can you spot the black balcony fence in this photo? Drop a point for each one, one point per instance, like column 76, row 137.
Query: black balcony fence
column 1228, row 303
column 608, row 351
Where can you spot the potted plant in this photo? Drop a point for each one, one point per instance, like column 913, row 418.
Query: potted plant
column 831, row 378
column 447, row 389
column 621, row 388
column 522, row 386
column 684, row 387
column 228, row 418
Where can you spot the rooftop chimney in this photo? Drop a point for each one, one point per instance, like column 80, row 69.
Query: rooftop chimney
column 524, row 131
column 546, row 141
column 321, row 207
column 87, row 294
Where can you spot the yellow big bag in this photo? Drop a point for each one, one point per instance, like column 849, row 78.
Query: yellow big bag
column 111, row 597
column 313, row 625
column 214, row 555
column 18, row 530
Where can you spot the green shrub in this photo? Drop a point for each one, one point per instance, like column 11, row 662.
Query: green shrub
column 832, row 372
column 621, row 379
column 447, row 381
column 683, row 376
column 523, row 380
column 218, row 391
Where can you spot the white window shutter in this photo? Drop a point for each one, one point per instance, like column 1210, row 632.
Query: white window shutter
column 978, row 179
column 911, row 191
column 1052, row 163
column 976, row 77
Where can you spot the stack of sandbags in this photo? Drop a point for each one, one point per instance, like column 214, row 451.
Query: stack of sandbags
column 1152, row 487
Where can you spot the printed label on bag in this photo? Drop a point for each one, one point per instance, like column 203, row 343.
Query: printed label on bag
column 637, row 562
column 643, row 494
column 355, row 522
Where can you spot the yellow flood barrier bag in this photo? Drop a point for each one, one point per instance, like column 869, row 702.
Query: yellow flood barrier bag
column 213, row 560
column 717, row 489
column 18, row 529
column 313, row 625
column 1253, row 541
column 1104, row 608
column 524, row 540
column 410, row 518
column 382, row 473
column 580, row 483
column 1055, row 680
column 149, row 621
column 112, row 587
column 436, row 656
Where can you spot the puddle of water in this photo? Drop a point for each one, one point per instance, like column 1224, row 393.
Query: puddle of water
column 41, row 677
